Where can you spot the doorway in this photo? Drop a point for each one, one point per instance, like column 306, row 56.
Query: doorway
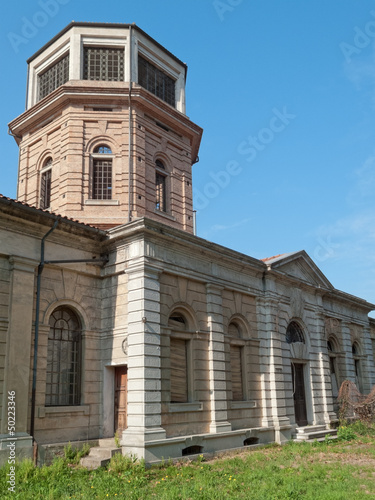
column 299, row 394
column 121, row 389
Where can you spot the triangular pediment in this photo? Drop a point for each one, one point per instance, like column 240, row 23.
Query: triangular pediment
column 300, row 266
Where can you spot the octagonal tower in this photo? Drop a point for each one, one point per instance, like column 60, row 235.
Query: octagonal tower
column 105, row 138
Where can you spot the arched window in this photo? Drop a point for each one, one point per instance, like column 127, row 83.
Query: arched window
column 101, row 182
column 236, row 362
column 160, row 186
column 63, row 358
column 180, row 359
column 45, row 184
column 294, row 333
column 331, row 347
column 357, row 366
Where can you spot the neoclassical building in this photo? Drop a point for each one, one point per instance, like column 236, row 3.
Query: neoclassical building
column 114, row 315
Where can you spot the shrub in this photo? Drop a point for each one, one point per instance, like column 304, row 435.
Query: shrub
column 346, row 433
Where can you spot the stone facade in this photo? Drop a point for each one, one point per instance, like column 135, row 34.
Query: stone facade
column 181, row 345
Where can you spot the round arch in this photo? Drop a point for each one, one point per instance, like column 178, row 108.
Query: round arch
column 101, row 140
column 77, row 308
column 187, row 312
column 159, row 155
column 43, row 157
column 242, row 324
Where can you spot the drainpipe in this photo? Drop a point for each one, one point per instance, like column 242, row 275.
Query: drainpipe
column 37, row 306
column 19, row 157
column 130, row 201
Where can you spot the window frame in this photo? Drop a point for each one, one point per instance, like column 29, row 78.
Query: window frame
column 43, row 71
column 152, row 66
column 333, row 365
column 46, row 191
column 105, row 46
column 237, row 343
column 162, row 174
column 57, row 349
column 181, row 333
column 95, row 158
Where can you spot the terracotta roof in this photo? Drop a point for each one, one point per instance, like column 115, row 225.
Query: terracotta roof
column 22, row 203
column 271, row 258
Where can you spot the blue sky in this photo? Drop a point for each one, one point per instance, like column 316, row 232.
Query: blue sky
column 285, row 93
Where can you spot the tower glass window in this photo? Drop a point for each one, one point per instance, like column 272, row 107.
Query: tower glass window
column 103, row 64
column 160, row 187
column 102, row 174
column 63, row 359
column 45, row 185
column 156, row 81
column 53, row 77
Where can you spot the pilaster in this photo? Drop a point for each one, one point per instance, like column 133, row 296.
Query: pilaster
column 144, row 358
column 274, row 391
column 19, row 341
column 216, row 360
column 321, row 382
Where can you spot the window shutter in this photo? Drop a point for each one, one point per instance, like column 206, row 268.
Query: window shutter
column 236, row 371
column 179, row 393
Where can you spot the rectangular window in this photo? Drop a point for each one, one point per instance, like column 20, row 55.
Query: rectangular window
column 179, row 375
column 45, row 189
column 157, row 82
column 53, row 77
column 102, row 180
column 161, row 202
column 236, row 371
column 103, row 64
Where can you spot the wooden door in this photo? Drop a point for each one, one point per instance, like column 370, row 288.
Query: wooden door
column 121, row 388
column 299, row 394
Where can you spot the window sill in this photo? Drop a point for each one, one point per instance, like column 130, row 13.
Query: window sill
column 55, row 410
column 185, row 407
column 102, row 202
column 238, row 405
column 164, row 214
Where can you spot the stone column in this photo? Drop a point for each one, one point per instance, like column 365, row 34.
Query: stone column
column 216, row 359
column 274, row 389
column 18, row 349
column 321, row 389
column 144, row 359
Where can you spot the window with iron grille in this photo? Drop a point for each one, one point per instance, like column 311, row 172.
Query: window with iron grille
column 161, row 202
column 103, row 64
column 156, row 81
column 160, row 187
column 63, row 359
column 294, row 333
column 101, row 185
column 53, row 77
column 45, row 185
column 102, row 180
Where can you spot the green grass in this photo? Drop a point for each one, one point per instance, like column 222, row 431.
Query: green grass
column 334, row 470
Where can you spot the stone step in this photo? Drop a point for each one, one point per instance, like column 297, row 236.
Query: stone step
column 100, row 456
column 94, row 462
column 104, row 452
column 316, row 435
column 107, row 443
column 310, row 428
